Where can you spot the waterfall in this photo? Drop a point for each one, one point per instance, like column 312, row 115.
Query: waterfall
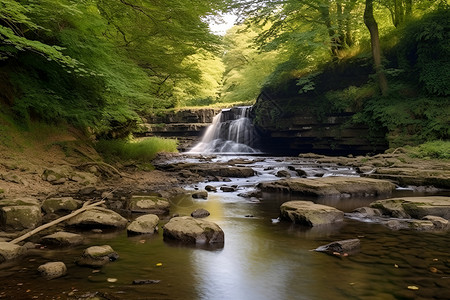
column 231, row 131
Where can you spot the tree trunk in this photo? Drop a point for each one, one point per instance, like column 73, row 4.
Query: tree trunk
column 372, row 25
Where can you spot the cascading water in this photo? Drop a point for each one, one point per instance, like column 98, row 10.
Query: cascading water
column 231, row 131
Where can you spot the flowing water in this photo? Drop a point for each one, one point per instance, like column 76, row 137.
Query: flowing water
column 262, row 258
column 230, row 132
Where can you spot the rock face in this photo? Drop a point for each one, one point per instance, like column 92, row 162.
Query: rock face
column 414, row 207
column 10, row 251
column 343, row 247
column 52, row 270
column 64, row 204
column 310, row 214
column 97, row 256
column 149, row 204
column 145, row 224
column 20, row 213
column 98, row 217
column 62, row 239
column 186, row 124
column 330, row 186
column 193, row 231
column 287, row 128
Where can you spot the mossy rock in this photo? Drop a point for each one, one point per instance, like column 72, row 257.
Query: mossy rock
column 415, row 207
column 149, row 204
column 63, row 204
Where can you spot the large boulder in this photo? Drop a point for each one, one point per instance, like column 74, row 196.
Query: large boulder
column 97, row 256
column 414, row 207
column 194, row 231
column 330, row 186
column 20, row 213
column 9, row 251
column 63, row 204
column 149, row 204
column 145, row 224
column 52, row 270
column 310, row 214
column 98, row 217
column 62, row 239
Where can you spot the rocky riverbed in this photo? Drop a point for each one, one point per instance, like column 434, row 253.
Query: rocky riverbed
column 36, row 195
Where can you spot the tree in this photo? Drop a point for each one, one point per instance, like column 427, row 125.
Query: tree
column 372, row 25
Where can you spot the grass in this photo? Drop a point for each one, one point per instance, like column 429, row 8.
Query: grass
column 438, row 149
column 143, row 150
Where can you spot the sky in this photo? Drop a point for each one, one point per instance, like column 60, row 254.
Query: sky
column 221, row 29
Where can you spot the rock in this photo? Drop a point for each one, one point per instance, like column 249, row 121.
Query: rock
column 211, row 188
column 438, row 222
column 62, row 239
column 14, row 178
column 64, row 204
column 97, row 256
column 283, row 173
column 194, row 231
column 84, row 178
column 200, row 195
column 310, row 214
column 251, row 194
column 20, row 217
column 200, row 213
column 148, row 204
column 52, row 270
column 330, row 186
column 22, row 201
column 366, row 212
column 302, row 173
column 414, row 207
column 146, row 224
column 98, row 216
column 145, row 281
column 87, row 190
column 10, row 251
column 56, row 175
column 227, row 189
column 343, row 247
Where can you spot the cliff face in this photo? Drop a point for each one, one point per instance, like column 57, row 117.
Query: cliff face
column 186, row 125
column 297, row 125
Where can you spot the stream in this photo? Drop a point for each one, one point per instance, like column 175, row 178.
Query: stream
column 262, row 258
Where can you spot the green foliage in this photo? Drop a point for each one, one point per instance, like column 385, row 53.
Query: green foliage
column 143, row 150
column 438, row 149
column 408, row 120
column 424, row 51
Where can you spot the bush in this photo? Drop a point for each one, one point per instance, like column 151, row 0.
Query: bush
column 434, row 149
column 143, row 150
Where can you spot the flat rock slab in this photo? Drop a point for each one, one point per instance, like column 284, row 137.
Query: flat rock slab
column 310, row 214
column 62, row 239
column 149, row 204
column 414, row 207
column 146, row 224
column 193, row 231
column 330, row 186
column 98, row 216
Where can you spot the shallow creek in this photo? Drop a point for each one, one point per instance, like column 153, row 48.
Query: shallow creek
column 262, row 258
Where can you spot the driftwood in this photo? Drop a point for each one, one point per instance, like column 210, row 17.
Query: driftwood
column 86, row 206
